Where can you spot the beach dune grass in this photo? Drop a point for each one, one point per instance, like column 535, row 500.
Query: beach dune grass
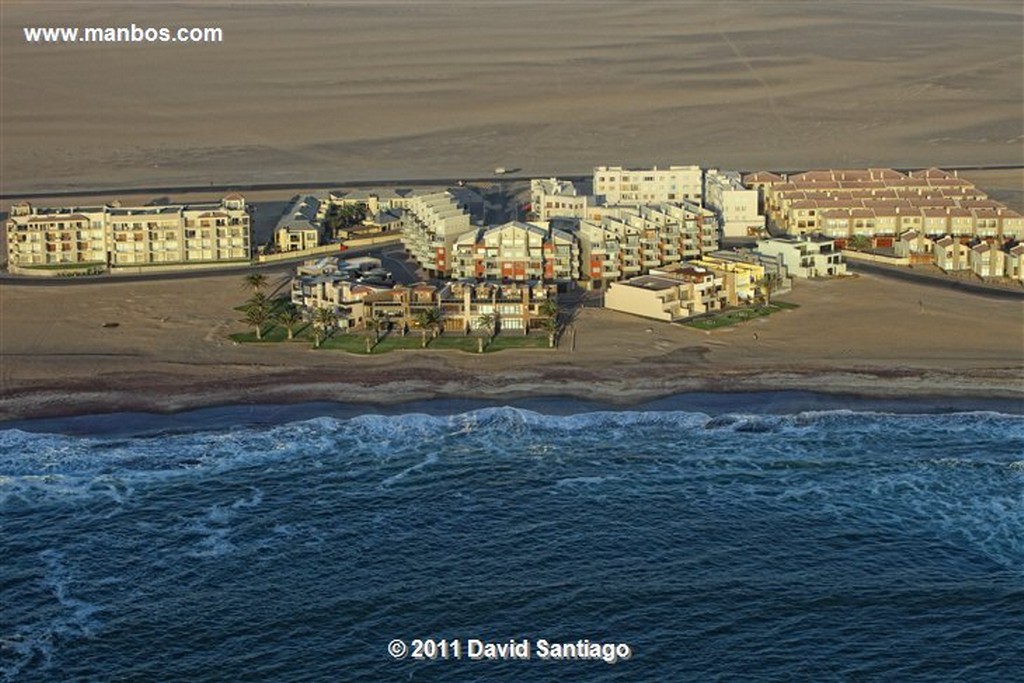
column 737, row 315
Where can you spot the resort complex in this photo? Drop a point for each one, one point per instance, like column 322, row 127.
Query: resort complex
column 113, row 236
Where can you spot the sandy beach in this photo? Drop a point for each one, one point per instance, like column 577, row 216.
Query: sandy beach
column 409, row 89
column 862, row 335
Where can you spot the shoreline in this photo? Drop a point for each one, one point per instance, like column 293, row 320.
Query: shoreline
column 899, row 391
column 234, row 415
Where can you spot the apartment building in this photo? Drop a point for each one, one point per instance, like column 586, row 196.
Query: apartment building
column 630, row 240
column 301, row 224
column 513, row 306
column 806, row 256
column 883, row 203
column 673, row 294
column 517, row 251
column 112, row 235
column 735, row 205
column 740, row 280
column 555, row 198
column 635, row 186
column 430, row 226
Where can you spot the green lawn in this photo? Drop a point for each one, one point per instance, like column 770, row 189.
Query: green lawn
column 737, row 315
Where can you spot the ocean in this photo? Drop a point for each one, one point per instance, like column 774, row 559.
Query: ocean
column 745, row 541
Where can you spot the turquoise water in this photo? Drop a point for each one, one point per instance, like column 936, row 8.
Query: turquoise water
column 817, row 545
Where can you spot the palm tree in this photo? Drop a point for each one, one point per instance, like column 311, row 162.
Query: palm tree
column 549, row 309
column 551, row 327
column 486, row 322
column 255, row 282
column 768, row 284
column 323, row 320
column 257, row 313
column 288, row 317
column 429, row 319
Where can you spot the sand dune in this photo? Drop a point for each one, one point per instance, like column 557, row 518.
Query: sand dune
column 409, row 89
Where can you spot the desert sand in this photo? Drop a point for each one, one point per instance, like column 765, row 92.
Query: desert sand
column 863, row 335
column 335, row 91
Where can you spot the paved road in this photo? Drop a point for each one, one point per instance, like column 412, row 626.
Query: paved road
column 277, row 267
column 897, row 273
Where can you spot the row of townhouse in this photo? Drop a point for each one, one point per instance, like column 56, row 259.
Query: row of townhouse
column 114, row 236
column 880, row 204
column 987, row 259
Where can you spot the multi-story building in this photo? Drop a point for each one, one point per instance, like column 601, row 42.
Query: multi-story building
column 301, row 225
column 672, row 294
column 637, row 186
column 987, row 260
column 554, row 198
column 512, row 306
column 914, row 246
column 430, row 226
column 112, row 235
column 516, row 251
column 631, row 240
column 806, row 256
column 740, row 279
column 735, row 205
column 883, row 203
column 1015, row 262
column 951, row 254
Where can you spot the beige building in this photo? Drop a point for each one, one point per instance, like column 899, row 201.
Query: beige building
column 881, row 203
column 805, row 257
column 554, row 198
column 1015, row 263
column 987, row 260
column 951, row 254
column 513, row 306
column 674, row 294
column 516, row 251
column 735, row 205
column 637, row 186
column 740, row 279
column 915, row 246
column 112, row 235
column 301, row 225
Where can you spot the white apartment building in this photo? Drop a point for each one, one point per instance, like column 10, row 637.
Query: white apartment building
column 637, row 186
column 805, row 257
column 555, row 198
column 517, row 251
column 112, row 235
column 629, row 241
column 430, row 226
column 735, row 205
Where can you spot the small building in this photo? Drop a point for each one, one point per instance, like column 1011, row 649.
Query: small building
column 674, row 295
column 1015, row 262
column 951, row 254
column 805, row 257
column 915, row 246
column 987, row 261
column 301, row 224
